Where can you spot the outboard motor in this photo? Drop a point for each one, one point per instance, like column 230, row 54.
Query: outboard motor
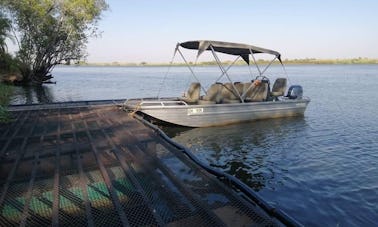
column 295, row 92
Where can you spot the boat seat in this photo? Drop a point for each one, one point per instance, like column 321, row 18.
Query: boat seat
column 239, row 87
column 231, row 101
column 256, row 92
column 205, row 102
column 193, row 94
column 229, row 94
column 213, row 94
column 279, row 87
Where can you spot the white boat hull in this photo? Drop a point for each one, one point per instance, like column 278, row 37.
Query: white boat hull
column 222, row 114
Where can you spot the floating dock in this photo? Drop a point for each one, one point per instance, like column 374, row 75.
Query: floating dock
column 91, row 164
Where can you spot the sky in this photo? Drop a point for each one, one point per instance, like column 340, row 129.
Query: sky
column 148, row 30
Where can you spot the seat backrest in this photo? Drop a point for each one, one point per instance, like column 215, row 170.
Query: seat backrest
column 192, row 95
column 256, row 92
column 228, row 92
column 279, row 86
column 214, row 93
column 247, row 91
column 239, row 87
column 194, row 91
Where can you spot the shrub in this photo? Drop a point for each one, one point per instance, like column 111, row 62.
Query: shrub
column 5, row 93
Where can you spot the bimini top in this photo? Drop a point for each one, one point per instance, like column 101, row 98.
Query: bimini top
column 243, row 50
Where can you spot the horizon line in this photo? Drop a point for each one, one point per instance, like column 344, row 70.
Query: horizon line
column 358, row 60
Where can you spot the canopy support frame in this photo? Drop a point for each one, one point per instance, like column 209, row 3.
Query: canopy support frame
column 225, row 72
column 270, row 63
column 232, row 64
column 258, row 68
column 254, row 61
column 190, row 68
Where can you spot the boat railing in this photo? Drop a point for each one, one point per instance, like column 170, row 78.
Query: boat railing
column 162, row 103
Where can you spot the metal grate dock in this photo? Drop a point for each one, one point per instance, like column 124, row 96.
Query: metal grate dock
column 96, row 166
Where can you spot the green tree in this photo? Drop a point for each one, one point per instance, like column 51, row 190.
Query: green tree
column 51, row 32
column 5, row 27
column 7, row 63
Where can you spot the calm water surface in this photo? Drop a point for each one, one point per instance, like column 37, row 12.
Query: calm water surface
column 322, row 168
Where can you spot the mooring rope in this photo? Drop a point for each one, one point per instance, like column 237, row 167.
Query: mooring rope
column 166, row 74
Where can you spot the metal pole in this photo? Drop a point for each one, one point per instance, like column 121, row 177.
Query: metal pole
column 284, row 69
column 224, row 72
column 227, row 69
column 270, row 63
column 250, row 71
column 254, row 61
column 190, row 68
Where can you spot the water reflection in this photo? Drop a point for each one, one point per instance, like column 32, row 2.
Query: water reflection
column 253, row 152
column 32, row 94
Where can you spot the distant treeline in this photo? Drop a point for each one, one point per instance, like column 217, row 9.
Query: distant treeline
column 331, row 61
column 241, row 62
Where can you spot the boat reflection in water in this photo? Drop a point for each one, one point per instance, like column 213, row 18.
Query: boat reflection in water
column 258, row 153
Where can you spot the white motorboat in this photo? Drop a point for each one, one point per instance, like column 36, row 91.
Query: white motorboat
column 229, row 102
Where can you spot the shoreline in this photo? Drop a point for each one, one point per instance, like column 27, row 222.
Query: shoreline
column 306, row 61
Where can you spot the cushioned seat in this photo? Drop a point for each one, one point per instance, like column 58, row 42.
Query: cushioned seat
column 231, row 101
column 193, row 94
column 229, row 94
column 279, row 87
column 205, row 102
column 239, row 87
column 247, row 91
column 256, row 92
column 213, row 94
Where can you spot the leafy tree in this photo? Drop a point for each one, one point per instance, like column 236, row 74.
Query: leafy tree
column 7, row 63
column 51, row 32
column 4, row 33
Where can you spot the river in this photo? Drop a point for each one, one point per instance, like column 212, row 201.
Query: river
column 321, row 168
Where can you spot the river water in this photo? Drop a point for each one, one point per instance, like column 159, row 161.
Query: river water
column 321, row 168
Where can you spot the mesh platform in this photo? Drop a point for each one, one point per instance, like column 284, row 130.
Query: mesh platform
column 97, row 166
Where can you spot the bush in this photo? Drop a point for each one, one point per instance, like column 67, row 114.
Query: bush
column 5, row 93
column 8, row 64
column 4, row 115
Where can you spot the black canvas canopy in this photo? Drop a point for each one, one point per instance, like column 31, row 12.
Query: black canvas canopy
column 243, row 50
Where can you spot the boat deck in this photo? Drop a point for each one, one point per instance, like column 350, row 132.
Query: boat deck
column 83, row 164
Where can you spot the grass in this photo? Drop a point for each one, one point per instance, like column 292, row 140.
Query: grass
column 5, row 93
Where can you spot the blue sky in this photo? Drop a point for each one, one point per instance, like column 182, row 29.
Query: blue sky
column 141, row 30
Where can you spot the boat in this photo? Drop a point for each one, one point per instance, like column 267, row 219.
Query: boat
column 226, row 102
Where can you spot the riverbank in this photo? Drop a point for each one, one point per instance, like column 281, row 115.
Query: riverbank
column 304, row 61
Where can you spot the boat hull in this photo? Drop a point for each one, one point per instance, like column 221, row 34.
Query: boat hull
column 224, row 114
